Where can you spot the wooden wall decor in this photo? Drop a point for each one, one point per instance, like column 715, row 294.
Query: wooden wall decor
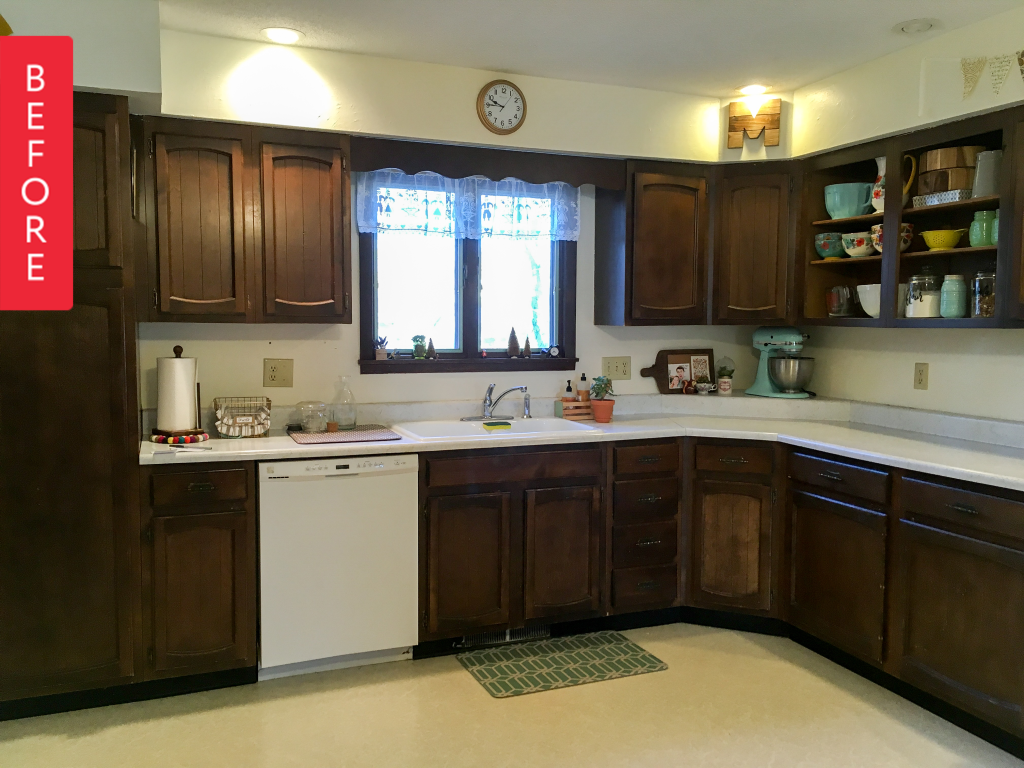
column 677, row 370
column 767, row 119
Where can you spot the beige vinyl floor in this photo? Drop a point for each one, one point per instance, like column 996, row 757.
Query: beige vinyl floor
column 728, row 699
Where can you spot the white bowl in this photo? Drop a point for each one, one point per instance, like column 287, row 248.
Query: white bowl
column 870, row 298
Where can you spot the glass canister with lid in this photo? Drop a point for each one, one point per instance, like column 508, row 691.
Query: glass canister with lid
column 953, row 301
column 983, row 295
column 924, row 295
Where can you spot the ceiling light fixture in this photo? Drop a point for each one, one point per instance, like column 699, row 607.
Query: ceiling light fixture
column 915, row 26
column 753, row 90
column 282, row 35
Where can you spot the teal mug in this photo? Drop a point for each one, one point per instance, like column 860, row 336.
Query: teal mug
column 845, row 200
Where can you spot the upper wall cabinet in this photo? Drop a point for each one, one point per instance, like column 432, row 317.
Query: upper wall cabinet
column 752, row 248
column 306, row 231
column 102, row 182
column 245, row 225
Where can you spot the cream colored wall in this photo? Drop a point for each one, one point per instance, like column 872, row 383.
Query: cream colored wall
column 915, row 86
column 240, row 80
column 231, row 356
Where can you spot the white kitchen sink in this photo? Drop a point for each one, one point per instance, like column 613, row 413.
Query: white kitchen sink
column 430, row 431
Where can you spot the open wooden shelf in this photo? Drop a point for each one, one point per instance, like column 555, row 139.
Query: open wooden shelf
column 846, row 262
column 974, row 204
column 948, row 252
column 867, row 218
column 947, row 322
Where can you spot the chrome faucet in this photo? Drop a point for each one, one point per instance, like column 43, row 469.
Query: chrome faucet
column 489, row 405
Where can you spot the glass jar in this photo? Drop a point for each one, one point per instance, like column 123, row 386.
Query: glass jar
column 995, row 230
column 923, row 295
column 983, row 298
column 344, row 406
column 953, row 301
column 980, row 233
column 313, row 415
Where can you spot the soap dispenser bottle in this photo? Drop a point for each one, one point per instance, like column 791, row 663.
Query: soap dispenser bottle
column 583, row 389
column 344, row 406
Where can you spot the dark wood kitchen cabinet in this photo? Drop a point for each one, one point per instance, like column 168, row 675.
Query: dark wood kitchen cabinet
column 752, row 248
column 670, row 223
column 467, row 566
column 305, row 209
column 837, row 588
column 199, row 569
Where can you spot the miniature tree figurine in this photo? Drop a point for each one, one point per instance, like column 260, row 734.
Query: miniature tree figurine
column 431, row 352
column 526, row 350
column 513, row 344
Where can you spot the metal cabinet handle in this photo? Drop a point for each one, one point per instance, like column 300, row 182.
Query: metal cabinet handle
column 828, row 474
column 646, row 586
column 740, row 460
column 648, row 542
column 964, row 509
column 649, row 459
column 201, row 487
column 649, row 498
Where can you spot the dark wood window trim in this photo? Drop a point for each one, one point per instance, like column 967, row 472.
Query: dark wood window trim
column 469, row 359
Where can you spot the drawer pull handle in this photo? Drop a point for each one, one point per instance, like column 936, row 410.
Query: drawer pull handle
column 649, row 459
column 739, row 460
column 646, row 586
column 828, row 474
column 201, row 487
column 648, row 542
column 649, row 498
column 964, row 509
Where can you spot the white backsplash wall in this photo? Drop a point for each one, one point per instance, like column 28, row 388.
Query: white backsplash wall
column 231, row 355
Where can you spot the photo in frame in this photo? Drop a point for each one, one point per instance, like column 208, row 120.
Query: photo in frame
column 676, row 371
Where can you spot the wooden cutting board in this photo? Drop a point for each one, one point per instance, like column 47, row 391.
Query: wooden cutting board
column 949, row 157
column 945, row 180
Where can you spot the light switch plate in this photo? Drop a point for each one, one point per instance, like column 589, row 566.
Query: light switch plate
column 920, row 375
column 277, row 372
column 616, row 368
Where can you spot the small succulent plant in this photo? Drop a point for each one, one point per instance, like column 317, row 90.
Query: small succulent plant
column 601, row 388
column 381, row 342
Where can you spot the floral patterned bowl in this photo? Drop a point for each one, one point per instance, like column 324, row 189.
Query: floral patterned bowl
column 906, row 235
column 829, row 245
column 858, row 244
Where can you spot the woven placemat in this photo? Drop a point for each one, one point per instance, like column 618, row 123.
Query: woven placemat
column 361, row 434
column 544, row 665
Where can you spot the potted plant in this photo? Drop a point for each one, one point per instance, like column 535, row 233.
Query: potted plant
column 380, row 351
column 703, row 385
column 419, row 348
column 600, row 388
column 726, row 368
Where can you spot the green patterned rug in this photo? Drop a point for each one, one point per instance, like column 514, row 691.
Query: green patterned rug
column 544, row 665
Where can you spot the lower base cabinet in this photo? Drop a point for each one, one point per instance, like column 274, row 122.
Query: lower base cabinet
column 837, row 587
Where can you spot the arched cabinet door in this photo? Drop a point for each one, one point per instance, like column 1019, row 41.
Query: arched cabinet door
column 305, row 219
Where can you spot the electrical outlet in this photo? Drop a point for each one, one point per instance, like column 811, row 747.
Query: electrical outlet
column 277, row 372
column 920, row 375
column 616, row 368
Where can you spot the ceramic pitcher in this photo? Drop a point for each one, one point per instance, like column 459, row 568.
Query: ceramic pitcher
column 878, row 191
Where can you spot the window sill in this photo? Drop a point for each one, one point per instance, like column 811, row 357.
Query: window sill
column 467, row 365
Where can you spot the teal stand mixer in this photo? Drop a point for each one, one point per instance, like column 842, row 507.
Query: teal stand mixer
column 781, row 372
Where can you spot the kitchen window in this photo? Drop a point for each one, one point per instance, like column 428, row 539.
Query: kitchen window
column 462, row 262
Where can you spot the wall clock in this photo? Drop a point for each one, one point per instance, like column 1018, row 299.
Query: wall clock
column 501, row 107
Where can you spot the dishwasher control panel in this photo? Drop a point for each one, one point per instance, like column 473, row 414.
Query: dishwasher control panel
column 355, row 465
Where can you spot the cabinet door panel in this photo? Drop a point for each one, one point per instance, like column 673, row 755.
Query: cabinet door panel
column 468, row 561
column 753, row 249
column 669, row 241
column 963, row 622
column 200, row 225
column 203, row 592
column 838, row 573
column 101, row 148
column 563, row 543
column 732, row 541
column 305, row 232
column 66, row 549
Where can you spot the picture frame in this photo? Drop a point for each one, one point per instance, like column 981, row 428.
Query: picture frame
column 676, row 371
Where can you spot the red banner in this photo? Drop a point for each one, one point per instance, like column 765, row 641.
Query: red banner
column 36, row 175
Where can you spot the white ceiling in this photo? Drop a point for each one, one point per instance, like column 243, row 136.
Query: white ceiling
column 708, row 47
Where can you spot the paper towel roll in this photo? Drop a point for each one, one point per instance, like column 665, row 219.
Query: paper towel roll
column 176, row 393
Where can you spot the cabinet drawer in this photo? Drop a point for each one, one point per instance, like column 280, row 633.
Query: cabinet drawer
column 990, row 514
column 198, row 488
column 639, row 545
column 477, row 470
column 640, row 459
column 644, row 501
column 870, row 484
column 748, row 459
column 644, row 586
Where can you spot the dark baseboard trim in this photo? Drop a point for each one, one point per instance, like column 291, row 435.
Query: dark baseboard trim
column 123, row 694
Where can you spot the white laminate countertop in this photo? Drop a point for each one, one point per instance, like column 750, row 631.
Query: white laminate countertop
column 960, row 459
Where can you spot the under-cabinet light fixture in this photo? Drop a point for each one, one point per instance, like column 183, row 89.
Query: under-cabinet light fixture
column 282, row 35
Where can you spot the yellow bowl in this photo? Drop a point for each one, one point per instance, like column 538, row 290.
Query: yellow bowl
column 942, row 239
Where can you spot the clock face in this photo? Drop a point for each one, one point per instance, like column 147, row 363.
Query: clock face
column 501, row 107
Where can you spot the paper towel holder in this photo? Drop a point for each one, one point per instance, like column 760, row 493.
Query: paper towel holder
column 178, row 350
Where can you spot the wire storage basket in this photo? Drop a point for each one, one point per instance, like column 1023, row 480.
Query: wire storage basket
column 242, row 416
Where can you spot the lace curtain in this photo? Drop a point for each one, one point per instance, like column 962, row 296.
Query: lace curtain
column 468, row 208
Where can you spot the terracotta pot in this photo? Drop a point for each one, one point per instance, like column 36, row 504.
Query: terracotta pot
column 602, row 410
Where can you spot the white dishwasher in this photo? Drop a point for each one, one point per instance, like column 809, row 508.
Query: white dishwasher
column 338, row 562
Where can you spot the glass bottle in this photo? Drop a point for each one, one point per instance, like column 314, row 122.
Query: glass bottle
column 994, row 239
column 344, row 407
column 983, row 299
column 953, row 302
